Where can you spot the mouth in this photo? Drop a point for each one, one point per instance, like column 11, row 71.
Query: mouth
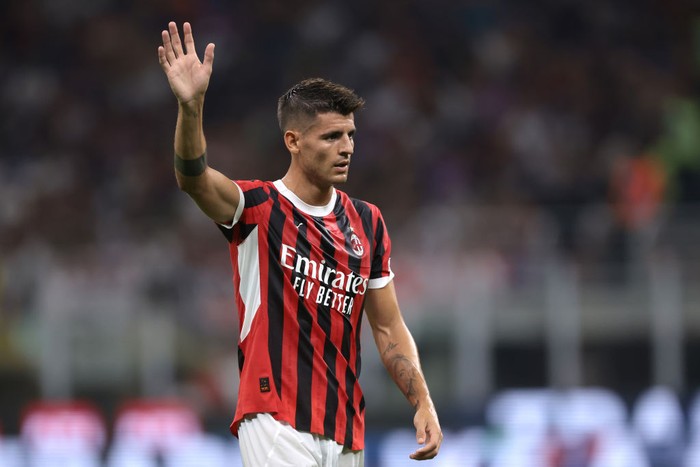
column 342, row 166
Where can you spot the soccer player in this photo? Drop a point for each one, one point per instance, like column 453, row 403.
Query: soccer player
column 307, row 261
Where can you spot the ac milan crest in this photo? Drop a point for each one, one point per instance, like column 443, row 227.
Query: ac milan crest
column 356, row 245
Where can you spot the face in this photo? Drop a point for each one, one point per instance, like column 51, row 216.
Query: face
column 322, row 150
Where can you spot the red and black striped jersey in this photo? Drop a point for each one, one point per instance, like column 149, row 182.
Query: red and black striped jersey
column 300, row 274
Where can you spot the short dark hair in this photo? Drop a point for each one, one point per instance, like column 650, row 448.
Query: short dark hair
column 313, row 96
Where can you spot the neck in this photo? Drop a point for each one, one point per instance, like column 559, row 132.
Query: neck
column 307, row 191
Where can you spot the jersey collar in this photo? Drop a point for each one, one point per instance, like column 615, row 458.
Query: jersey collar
column 317, row 211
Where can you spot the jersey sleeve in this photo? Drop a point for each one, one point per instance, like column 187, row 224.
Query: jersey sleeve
column 381, row 273
column 239, row 209
column 253, row 196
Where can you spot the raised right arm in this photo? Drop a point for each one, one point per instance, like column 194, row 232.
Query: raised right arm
column 215, row 194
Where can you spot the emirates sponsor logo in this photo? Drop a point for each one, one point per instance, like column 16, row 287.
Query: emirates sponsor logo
column 321, row 283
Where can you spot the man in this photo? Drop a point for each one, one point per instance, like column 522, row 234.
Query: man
column 307, row 261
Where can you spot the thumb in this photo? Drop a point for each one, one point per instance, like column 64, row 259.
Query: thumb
column 209, row 55
column 420, row 435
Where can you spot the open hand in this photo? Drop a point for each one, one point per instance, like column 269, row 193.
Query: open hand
column 187, row 76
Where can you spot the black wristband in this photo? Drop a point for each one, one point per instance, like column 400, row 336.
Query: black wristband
column 191, row 167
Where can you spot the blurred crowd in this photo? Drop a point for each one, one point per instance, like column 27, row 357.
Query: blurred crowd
column 533, row 427
column 540, row 109
column 496, row 102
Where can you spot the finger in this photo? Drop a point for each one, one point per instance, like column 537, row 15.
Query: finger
column 188, row 39
column 175, row 39
column 168, row 47
column 209, row 56
column 424, row 453
column 164, row 64
column 430, row 448
column 428, row 451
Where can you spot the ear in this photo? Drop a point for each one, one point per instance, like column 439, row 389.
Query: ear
column 291, row 140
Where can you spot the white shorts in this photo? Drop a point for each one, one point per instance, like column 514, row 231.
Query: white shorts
column 266, row 442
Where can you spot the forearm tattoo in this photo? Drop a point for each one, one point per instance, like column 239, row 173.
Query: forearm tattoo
column 390, row 347
column 404, row 373
column 192, row 113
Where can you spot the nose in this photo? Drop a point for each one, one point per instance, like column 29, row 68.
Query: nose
column 347, row 145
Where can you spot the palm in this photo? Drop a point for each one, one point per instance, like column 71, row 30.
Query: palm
column 188, row 77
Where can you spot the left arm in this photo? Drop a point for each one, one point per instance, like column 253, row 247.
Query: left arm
column 400, row 357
